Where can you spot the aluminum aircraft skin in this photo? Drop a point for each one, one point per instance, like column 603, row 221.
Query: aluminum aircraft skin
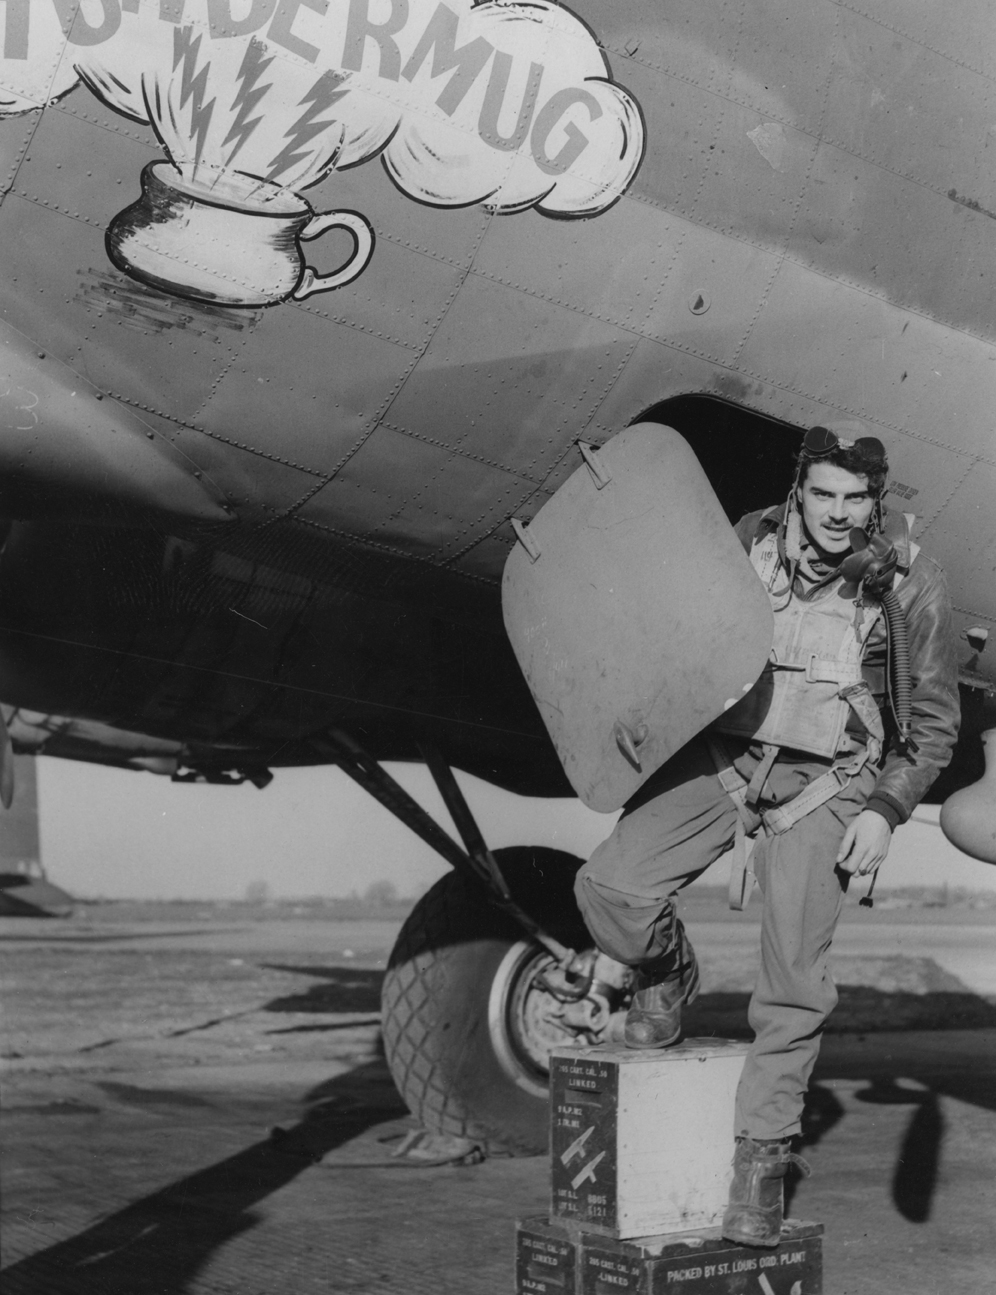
column 303, row 302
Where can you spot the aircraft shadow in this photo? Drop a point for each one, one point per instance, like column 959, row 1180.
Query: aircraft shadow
column 157, row 1245
column 342, row 989
column 860, row 1010
column 918, row 1161
column 917, row 1165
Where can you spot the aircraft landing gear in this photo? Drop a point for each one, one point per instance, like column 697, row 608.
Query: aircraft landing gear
column 471, row 1009
column 493, row 968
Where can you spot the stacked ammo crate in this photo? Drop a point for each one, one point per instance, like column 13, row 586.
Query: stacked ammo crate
column 641, row 1147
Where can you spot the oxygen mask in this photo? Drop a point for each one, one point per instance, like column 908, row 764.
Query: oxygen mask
column 872, row 561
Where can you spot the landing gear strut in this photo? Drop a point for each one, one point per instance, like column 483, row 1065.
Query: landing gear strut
column 492, row 969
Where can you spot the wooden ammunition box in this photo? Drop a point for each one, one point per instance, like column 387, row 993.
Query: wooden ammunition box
column 560, row 1259
column 642, row 1142
column 546, row 1258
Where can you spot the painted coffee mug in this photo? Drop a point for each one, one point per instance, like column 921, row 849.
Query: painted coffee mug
column 237, row 243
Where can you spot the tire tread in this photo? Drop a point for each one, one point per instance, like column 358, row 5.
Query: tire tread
column 453, row 913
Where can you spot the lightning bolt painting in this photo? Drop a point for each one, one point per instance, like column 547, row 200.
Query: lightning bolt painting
column 322, row 95
column 193, row 86
column 250, row 92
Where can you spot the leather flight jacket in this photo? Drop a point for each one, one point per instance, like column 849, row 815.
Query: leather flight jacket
column 828, row 637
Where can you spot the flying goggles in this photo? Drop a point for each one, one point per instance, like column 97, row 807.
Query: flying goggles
column 821, row 440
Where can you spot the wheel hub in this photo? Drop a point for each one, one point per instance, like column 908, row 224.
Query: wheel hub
column 533, row 1008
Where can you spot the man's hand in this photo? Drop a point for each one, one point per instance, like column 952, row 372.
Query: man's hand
column 865, row 844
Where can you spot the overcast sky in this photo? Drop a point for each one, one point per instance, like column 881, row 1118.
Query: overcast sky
column 117, row 834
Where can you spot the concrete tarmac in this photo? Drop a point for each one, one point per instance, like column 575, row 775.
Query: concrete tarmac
column 201, row 1108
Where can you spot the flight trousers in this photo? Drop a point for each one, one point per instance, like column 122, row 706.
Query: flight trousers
column 679, row 823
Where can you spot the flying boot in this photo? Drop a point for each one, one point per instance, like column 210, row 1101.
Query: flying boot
column 757, row 1203
column 661, row 989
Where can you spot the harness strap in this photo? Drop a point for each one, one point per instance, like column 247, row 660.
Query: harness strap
column 817, row 793
column 741, row 876
column 755, row 787
column 736, row 787
column 859, row 697
column 781, row 817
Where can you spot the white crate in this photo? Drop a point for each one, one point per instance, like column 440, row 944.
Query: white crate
column 642, row 1141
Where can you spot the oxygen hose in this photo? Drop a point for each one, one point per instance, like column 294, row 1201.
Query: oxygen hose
column 899, row 659
column 873, row 562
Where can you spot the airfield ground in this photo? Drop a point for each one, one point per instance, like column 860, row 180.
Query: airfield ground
column 195, row 1102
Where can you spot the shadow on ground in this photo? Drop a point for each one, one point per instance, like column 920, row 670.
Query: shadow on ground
column 341, row 989
column 915, row 1176
column 917, row 1164
column 158, row 1244
column 860, row 1010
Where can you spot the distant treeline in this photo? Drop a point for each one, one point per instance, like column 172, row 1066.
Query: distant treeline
column 942, row 896
column 381, row 900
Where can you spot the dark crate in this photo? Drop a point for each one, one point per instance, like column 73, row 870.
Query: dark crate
column 546, row 1259
column 688, row 1263
column 704, row 1264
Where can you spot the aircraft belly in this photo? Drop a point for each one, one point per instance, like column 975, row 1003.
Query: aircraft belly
column 476, row 431
column 220, row 652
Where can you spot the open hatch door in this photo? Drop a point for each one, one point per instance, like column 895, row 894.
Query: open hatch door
column 634, row 611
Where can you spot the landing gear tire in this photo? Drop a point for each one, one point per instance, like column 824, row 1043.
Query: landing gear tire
column 466, row 1026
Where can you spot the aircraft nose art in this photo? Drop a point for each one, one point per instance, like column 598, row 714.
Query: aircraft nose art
column 634, row 612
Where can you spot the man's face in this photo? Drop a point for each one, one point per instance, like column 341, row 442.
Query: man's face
column 832, row 501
